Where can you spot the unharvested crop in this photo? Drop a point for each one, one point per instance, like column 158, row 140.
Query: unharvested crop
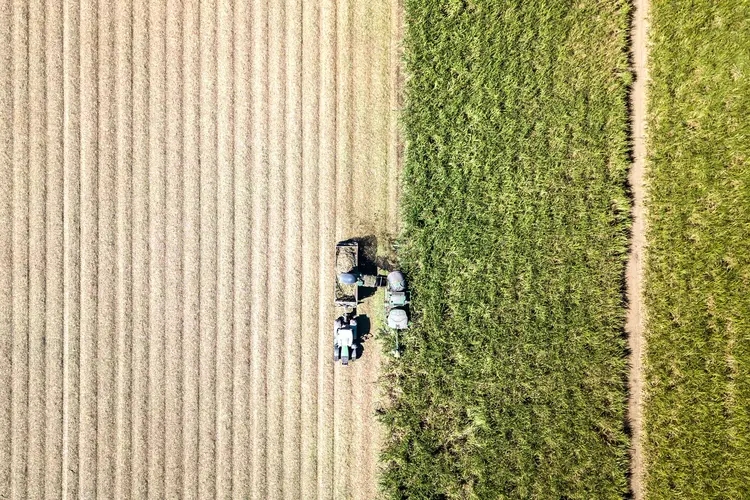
column 698, row 275
column 512, row 381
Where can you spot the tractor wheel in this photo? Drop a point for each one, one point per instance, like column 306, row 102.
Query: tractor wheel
column 336, row 355
column 355, row 348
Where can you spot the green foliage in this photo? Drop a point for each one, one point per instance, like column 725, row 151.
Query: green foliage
column 512, row 381
column 698, row 275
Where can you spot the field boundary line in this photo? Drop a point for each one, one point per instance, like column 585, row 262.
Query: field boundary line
column 635, row 323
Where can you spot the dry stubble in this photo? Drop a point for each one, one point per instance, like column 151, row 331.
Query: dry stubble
column 179, row 172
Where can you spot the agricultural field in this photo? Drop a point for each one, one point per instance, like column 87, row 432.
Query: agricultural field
column 512, row 383
column 697, row 414
column 175, row 175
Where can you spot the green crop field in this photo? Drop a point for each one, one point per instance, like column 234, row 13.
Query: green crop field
column 512, row 381
column 698, row 279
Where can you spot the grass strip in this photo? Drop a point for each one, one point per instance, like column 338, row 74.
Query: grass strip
column 697, row 414
column 512, row 381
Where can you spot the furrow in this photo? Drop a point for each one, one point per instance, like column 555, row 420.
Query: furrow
column 37, row 249
column 225, row 186
column 71, row 241
column 308, row 327
column 277, row 349
column 140, row 244
column 327, row 423
column 89, row 254
column 191, row 247
column 173, row 319
column 157, row 247
column 241, row 411
column 20, row 286
column 208, row 249
column 259, row 271
column 6, row 243
column 107, row 264
column 20, row 229
column 293, row 251
column 124, row 228
column 55, row 250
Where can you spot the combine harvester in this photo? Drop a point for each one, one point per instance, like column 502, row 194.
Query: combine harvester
column 349, row 279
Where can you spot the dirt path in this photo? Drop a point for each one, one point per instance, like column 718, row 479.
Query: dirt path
column 636, row 315
column 178, row 175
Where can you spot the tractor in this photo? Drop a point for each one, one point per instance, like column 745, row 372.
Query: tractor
column 349, row 279
column 345, row 344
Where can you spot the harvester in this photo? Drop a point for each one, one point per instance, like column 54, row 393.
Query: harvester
column 396, row 301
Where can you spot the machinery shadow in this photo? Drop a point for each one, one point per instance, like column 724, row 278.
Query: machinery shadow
column 363, row 333
column 368, row 261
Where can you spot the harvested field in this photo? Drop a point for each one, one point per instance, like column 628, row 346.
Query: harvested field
column 175, row 177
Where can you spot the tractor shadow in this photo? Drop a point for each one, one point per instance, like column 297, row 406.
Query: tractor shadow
column 363, row 333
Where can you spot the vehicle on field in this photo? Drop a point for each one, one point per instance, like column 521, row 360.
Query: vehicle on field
column 345, row 336
column 397, row 299
column 349, row 278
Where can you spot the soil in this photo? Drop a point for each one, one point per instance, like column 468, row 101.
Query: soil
column 177, row 176
column 635, row 324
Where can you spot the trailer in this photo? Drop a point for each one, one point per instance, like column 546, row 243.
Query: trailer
column 346, row 292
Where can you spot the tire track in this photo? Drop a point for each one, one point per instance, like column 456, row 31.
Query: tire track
column 242, row 415
column 292, row 449
column 191, row 206
column 37, row 249
column 174, row 290
column 225, row 194
column 124, row 210
column 310, row 258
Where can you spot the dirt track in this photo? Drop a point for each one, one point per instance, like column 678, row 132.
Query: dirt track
column 174, row 178
column 636, row 315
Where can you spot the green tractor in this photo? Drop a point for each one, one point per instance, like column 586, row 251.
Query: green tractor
column 397, row 299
